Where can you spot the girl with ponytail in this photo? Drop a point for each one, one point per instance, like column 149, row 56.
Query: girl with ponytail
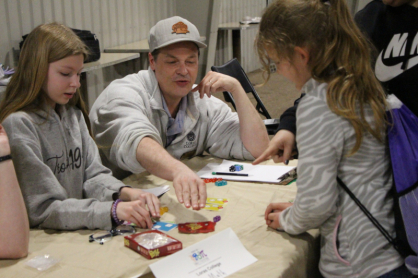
column 341, row 124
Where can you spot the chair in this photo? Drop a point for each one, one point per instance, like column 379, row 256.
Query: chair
column 234, row 69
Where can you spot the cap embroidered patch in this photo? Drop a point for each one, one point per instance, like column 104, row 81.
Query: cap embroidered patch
column 180, row 28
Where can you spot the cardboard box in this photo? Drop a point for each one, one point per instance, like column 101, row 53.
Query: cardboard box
column 131, row 241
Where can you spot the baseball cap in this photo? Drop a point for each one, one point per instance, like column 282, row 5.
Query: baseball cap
column 172, row 30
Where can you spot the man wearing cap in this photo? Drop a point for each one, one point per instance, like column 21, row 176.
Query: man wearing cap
column 151, row 119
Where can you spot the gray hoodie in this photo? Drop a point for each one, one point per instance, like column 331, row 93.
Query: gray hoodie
column 63, row 182
column 131, row 108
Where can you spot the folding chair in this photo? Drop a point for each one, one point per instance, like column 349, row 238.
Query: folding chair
column 234, row 69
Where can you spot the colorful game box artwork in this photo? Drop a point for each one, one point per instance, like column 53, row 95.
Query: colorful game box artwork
column 152, row 244
column 199, row 227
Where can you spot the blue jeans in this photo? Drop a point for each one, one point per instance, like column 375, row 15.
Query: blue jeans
column 400, row 272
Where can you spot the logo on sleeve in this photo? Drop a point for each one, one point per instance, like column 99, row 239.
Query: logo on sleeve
column 396, row 59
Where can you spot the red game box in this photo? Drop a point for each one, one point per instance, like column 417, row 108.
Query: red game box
column 153, row 244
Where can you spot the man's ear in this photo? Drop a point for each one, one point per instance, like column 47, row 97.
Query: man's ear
column 151, row 61
column 303, row 54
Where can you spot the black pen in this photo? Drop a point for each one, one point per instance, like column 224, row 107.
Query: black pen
column 229, row 174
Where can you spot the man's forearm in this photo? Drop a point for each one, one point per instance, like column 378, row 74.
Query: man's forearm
column 156, row 160
column 252, row 129
column 189, row 188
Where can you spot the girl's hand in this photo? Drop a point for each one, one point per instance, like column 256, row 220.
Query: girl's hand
column 272, row 214
column 280, row 148
column 134, row 212
column 217, row 82
column 133, row 194
column 4, row 142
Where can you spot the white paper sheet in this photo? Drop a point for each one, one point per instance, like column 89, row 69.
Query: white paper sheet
column 258, row 173
column 217, row 256
column 158, row 191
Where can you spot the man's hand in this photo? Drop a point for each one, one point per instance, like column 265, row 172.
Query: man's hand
column 216, row 82
column 190, row 189
column 280, row 148
column 272, row 214
column 133, row 194
column 134, row 212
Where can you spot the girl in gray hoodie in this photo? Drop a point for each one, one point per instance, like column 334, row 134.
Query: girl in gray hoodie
column 64, row 184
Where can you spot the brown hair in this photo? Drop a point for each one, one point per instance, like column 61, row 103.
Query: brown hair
column 339, row 56
column 46, row 43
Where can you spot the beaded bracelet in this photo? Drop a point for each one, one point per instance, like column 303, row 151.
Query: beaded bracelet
column 6, row 157
column 114, row 215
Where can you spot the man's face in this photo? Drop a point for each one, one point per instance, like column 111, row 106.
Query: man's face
column 176, row 68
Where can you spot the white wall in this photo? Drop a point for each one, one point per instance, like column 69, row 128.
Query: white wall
column 114, row 22
column 117, row 22
column 234, row 11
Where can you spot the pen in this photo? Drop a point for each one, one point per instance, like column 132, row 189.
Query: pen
column 229, row 174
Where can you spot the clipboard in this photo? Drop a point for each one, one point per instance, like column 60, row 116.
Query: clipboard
column 256, row 173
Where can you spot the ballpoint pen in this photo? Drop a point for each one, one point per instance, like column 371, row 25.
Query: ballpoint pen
column 229, row 174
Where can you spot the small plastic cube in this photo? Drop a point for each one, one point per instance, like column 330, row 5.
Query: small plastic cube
column 232, row 168
column 163, row 210
column 238, row 167
column 221, row 183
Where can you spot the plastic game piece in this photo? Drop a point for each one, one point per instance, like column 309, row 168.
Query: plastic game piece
column 153, row 244
column 232, row 168
column 163, row 226
column 214, row 207
column 221, row 183
column 212, row 180
column 219, row 201
column 163, row 210
column 216, row 219
column 239, row 167
column 197, row 227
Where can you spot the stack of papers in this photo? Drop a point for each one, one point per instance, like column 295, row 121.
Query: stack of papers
column 258, row 173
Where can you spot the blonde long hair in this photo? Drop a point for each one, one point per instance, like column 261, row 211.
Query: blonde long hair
column 46, row 43
column 339, row 55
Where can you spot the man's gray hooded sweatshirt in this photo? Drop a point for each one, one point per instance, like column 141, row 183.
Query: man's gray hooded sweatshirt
column 131, row 108
column 64, row 184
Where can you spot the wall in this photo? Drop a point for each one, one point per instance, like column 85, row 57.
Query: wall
column 234, row 11
column 197, row 12
column 114, row 22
